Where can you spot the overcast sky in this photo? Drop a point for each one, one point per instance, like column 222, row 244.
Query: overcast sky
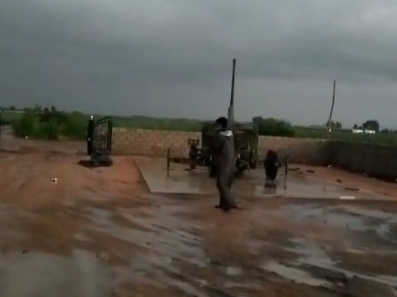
column 173, row 58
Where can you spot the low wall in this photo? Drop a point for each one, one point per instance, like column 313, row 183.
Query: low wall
column 154, row 143
column 372, row 159
column 299, row 150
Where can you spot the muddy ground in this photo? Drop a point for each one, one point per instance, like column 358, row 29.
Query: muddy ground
column 98, row 232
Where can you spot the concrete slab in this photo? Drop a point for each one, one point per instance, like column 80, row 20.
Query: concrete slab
column 180, row 180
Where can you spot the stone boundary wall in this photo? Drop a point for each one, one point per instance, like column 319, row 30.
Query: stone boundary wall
column 299, row 150
column 154, row 143
column 374, row 160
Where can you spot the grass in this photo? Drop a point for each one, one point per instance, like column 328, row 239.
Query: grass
column 50, row 126
column 76, row 124
column 144, row 122
column 9, row 117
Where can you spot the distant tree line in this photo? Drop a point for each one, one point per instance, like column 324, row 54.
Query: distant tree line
column 50, row 123
column 334, row 125
column 273, row 127
column 368, row 125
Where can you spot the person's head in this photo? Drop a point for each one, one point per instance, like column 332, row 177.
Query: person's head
column 221, row 123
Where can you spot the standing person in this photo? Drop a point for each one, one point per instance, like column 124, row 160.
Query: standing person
column 225, row 162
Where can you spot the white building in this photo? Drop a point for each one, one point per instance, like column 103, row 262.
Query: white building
column 363, row 131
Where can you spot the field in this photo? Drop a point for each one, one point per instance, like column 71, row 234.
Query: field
column 78, row 122
column 346, row 135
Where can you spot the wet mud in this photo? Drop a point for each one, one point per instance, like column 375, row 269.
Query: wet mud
column 101, row 233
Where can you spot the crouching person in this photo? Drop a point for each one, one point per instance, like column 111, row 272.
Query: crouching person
column 271, row 165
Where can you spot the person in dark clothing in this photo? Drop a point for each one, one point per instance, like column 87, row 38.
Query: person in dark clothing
column 222, row 148
column 271, row 165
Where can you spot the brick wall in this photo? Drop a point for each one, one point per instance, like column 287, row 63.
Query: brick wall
column 307, row 150
column 155, row 143
column 375, row 160
column 152, row 143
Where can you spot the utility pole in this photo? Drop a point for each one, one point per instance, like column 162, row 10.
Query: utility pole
column 332, row 110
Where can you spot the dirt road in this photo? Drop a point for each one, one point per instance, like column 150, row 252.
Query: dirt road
column 100, row 233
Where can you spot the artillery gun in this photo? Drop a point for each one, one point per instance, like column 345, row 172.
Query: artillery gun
column 245, row 143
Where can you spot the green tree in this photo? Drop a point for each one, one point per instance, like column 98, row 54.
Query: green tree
column 273, row 127
column 371, row 125
column 386, row 131
column 334, row 125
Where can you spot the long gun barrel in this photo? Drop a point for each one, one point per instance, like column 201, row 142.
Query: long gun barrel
column 231, row 106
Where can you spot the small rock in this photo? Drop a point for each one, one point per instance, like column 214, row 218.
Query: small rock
column 339, row 181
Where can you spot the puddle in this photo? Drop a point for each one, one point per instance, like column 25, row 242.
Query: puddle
column 387, row 231
column 374, row 213
column 233, row 271
column 310, row 251
column 300, row 187
column 185, row 287
column 230, row 284
column 161, row 233
column 81, row 237
column 179, row 180
column 39, row 274
column 314, row 257
column 99, row 217
column 387, row 280
column 355, row 218
column 294, row 274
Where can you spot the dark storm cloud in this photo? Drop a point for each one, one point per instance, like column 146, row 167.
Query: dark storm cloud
column 173, row 57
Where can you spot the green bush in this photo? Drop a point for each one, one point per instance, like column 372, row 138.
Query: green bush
column 75, row 126
column 50, row 125
column 27, row 125
column 273, row 127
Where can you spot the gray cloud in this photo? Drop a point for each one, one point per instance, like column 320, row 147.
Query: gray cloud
column 173, row 57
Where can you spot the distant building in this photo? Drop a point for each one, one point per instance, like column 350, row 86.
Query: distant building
column 363, row 131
